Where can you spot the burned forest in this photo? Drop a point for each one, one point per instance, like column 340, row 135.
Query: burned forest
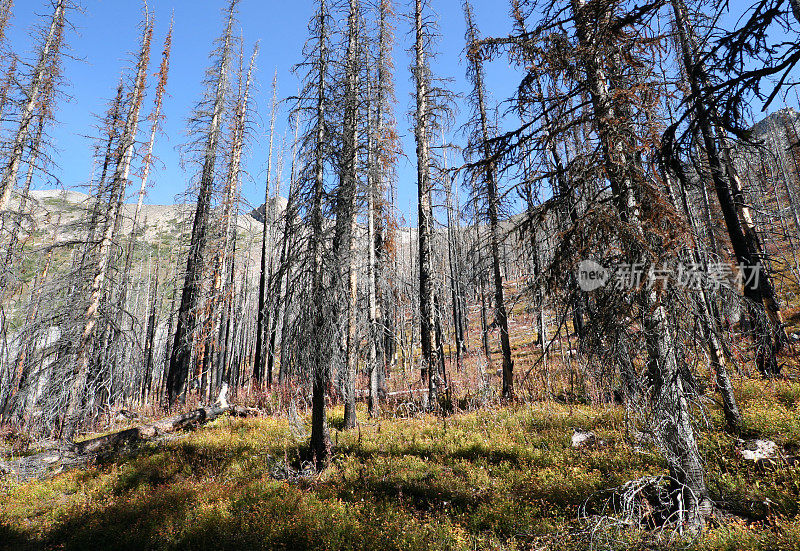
column 400, row 274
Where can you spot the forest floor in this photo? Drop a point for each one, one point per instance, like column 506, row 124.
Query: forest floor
column 493, row 478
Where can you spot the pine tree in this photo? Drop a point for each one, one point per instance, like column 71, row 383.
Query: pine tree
column 487, row 176
column 181, row 353
column 119, row 182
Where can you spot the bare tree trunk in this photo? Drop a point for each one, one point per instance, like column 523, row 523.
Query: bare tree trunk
column 72, row 416
column 223, row 286
column 347, row 212
column 7, row 277
column 372, row 274
column 454, row 265
column 384, row 179
column 50, row 51
column 261, row 322
column 425, row 222
column 284, row 269
column 6, row 86
column 180, row 359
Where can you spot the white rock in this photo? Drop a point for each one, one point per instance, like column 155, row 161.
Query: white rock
column 758, row 450
column 583, row 438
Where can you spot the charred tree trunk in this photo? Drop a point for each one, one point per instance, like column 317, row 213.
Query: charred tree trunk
column 489, row 177
column 320, row 439
column 425, row 223
column 180, row 360
column 261, row 319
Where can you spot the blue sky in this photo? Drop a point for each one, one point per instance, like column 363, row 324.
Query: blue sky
column 106, row 32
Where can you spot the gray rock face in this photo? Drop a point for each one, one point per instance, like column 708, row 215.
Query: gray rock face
column 277, row 205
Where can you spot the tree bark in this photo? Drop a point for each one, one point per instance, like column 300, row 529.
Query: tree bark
column 178, row 373
column 425, row 222
column 49, row 49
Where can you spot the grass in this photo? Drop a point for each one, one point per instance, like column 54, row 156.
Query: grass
column 497, row 478
column 494, row 478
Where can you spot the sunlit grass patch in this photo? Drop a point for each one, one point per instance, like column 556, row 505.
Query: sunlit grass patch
column 493, row 478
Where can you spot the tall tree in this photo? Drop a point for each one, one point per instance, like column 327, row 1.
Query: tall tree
column 178, row 373
column 481, row 145
column 314, row 100
column 261, row 317
column 48, row 50
column 223, row 282
column 612, row 120
column 383, row 146
column 423, row 125
column 345, row 244
column 119, row 182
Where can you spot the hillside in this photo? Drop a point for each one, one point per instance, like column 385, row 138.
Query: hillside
column 160, row 222
column 492, row 478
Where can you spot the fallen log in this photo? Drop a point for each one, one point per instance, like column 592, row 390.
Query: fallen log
column 71, row 455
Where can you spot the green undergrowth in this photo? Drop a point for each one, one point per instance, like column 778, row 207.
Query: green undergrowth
column 498, row 478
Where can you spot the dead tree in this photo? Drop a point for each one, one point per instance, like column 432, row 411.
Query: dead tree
column 424, row 122
column 48, row 51
column 119, row 181
column 6, row 87
column 178, row 373
column 124, row 322
column 481, row 146
column 320, row 439
column 382, row 149
column 758, row 287
column 285, row 267
column 224, row 269
column 35, row 115
column 155, row 124
column 670, row 420
column 5, row 16
column 711, row 326
column 315, row 351
column 602, row 107
column 345, row 244
column 261, row 318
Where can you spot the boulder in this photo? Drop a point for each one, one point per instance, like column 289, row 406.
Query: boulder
column 585, row 439
column 758, row 449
